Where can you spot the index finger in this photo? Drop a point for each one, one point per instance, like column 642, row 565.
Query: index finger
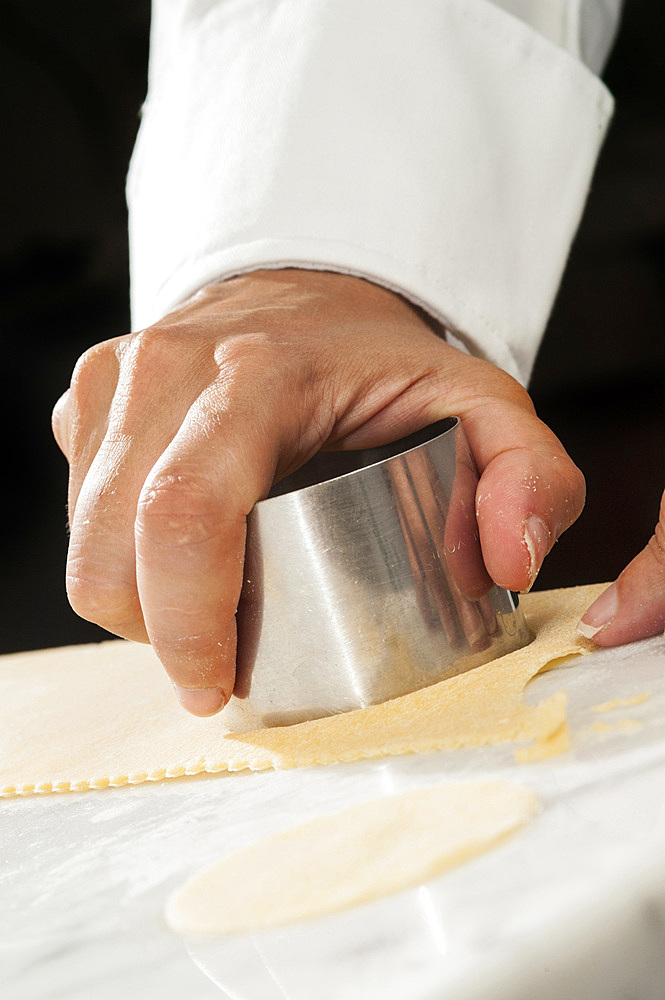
column 190, row 542
column 634, row 606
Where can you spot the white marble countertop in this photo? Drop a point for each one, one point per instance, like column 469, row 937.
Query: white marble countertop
column 573, row 906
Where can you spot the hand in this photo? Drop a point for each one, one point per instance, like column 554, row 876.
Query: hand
column 634, row 606
column 174, row 433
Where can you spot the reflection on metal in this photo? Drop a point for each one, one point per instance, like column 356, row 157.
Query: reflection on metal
column 367, row 585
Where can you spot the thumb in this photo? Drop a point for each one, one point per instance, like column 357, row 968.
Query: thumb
column 634, row 606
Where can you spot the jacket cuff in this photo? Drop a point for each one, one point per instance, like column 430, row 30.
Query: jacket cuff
column 442, row 149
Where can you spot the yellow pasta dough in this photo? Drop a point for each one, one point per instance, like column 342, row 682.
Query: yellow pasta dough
column 349, row 857
column 105, row 714
column 610, row 706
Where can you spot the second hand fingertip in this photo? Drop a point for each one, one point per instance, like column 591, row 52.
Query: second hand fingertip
column 601, row 613
column 202, row 702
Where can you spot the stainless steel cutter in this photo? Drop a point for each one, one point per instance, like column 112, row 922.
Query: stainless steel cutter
column 365, row 581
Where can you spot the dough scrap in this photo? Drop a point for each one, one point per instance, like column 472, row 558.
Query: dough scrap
column 610, row 706
column 349, row 857
column 84, row 717
column 621, row 725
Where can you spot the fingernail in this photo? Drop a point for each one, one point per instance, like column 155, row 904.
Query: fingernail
column 537, row 541
column 201, row 701
column 601, row 613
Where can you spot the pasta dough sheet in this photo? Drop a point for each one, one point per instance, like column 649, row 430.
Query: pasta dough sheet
column 349, row 857
column 90, row 716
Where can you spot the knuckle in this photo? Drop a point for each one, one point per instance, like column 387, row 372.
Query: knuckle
column 144, row 359
column 577, row 488
column 156, row 357
column 571, row 495
column 500, row 388
column 151, row 343
column 114, row 606
column 93, row 366
column 156, row 345
column 178, row 508
column 507, row 387
column 80, row 417
column 657, row 543
column 59, row 421
column 249, row 343
column 252, row 359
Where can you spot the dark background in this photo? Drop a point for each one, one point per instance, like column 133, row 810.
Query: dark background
column 72, row 75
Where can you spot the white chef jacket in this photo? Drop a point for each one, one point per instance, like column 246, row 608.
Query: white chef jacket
column 441, row 148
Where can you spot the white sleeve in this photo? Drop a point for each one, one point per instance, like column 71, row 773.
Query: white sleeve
column 441, row 148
